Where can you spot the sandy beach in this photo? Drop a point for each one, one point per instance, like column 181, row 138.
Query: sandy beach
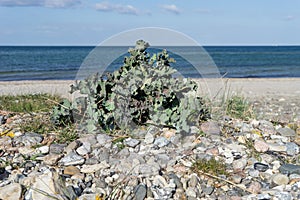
column 250, row 87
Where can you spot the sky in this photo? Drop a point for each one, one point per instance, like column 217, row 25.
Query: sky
column 209, row 22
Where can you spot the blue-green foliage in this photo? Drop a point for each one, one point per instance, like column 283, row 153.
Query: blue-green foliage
column 142, row 91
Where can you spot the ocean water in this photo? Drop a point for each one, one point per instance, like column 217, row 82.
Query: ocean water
column 63, row 63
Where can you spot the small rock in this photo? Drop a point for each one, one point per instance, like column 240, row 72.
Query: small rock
column 283, row 196
column 29, row 139
column 104, row 140
column 255, row 187
column 161, row 142
column 12, row 191
column 236, row 178
column 71, row 170
column 277, row 147
column 131, row 142
column 208, row 190
column 289, row 169
column 261, row 146
column 280, row 179
column 57, row 148
column 194, row 180
column 261, row 167
column 84, row 149
column 2, row 119
column 93, row 168
column 263, row 197
column 149, row 139
column 292, row 149
column 43, row 149
column 211, row 128
column 140, row 192
column 72, row 159
column 26, row 150
column 72, row 146
column 287, row 132
column 51, row 159
column 239, row 164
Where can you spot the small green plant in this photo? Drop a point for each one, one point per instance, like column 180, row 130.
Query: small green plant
column 238, row 107
column 39, row 123
column 66, row 134
column 28, row 103
column 143, row 91
column 211, row 167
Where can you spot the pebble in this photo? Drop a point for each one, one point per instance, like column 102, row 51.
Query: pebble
column 289, row 169
column 140, row 192
column 161, row 142
column 51, row 159
column 57, row 148
column 292, row 149
column 11, row 192
column 211, row 128
column 72, row 159
column 287, row 132
column 239, row 164
column 93, row 168
column 149, row 138
column 131, row 142
column 261, row 146
column 43, row 149
column 29, row 139
column 255, row 187
column 280, row 179
column 277, row 147
column 71, row 170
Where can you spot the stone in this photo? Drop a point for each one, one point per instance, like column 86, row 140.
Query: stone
column 161, row 142
column 208, row 190
column 104, row 140
column 280, row 179
column 277, row 147
column 72, row 146
column 12, row 191
column 140, row 192
column 263, row 197
column 51, row 159
column 57, row 148
column 211, row 128
column 102, row 154
column 283, row 196
column 5, row 141
column 29, row 139
column 72, row 159
column 287, row 132
column 149, row 138
column 255, row 187
column 261, row 167
column 43, row 149
column 2, row 119
column 93, row 168
column 289, row 169
column 292, row 149
column 84, row 149
column 131, row 142
column 239, row 164
column 26, row 150
column 236, row 178
column 261, row 146
column 71, row 170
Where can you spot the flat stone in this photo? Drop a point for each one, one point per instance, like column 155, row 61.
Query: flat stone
column 104, row 140
column 57, row 148
column 287, row 132
column 131, row 142
column 255, row 187
column 12, row 191
column 30, row 139
column 72, row 159
column 289, row 169
column 84, row 149
column 26, row 150
column 283, row 196
column 239, row 164
column 43, row 149
column 71, row 170
column 280, row 179
column 140, row 192
column 292, row 149
column 277, row 147
column 149, row 138
column 211, row 128
column 261, row 146
column 161, row 142
column 72, row 146
column 93, row 168
column 51, row 159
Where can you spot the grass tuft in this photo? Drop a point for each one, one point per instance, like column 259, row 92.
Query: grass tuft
column 211, row 166
column 237, row 107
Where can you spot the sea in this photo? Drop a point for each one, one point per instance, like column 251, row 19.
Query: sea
column 67, row 62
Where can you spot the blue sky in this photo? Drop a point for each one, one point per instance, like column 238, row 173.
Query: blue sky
column 209, row 22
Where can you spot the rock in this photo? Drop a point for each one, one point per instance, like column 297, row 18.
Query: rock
column 51, row 159
column 43, row 149
column 2, row 119
column 287, row 132
column 93, row 168
column 292, row 149
column 12, row 191
column 140, row 192
column 161, row 142
column 102, row 154
column 3, row 173
column 193, row 181
column 51, row 184
column 280, row 179
column 131, row 142
column 84, row 149
column 104, row 140
column 149, row 138
column 72, row 159
column 255, row 187
column 211, row 128
column 283, row 196
column 26, row 150
column 72, row 146
column 261, row 167
column 277, row 147
column 5, row 141
column 71, row 170
column 177, row 180
column 263, row 197
column 57, row 148
column 289, row 169
column 29, row 139
column 208, row 190
column 261, row 146
column 236, row 178
column 239, row 164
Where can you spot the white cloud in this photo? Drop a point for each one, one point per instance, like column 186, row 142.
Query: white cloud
column 40, row 3
column 122, row 9
column 171, row 8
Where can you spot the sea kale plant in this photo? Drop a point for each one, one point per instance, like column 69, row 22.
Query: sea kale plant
column 142, row 91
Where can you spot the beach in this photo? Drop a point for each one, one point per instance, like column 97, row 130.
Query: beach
column 249, row 87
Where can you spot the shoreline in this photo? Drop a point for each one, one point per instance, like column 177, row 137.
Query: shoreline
column 249, row 87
